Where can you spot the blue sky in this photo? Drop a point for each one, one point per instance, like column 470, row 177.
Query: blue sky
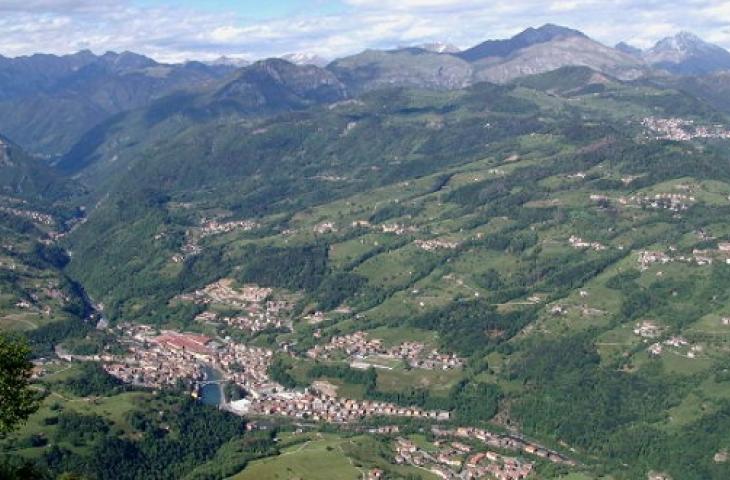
column 205, row 29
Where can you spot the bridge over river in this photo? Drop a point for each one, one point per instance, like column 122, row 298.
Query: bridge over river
column 211, row 390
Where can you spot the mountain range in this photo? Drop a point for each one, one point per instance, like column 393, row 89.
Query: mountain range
column 48, row 102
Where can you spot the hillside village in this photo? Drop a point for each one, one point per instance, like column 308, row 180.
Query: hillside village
column 159, row 359
column 450, row 458
column 257, row 307
column 169, row 358
column 32, row 215
column 361, row 350
column 457, row 461
column 683, row 130
column 208, row 227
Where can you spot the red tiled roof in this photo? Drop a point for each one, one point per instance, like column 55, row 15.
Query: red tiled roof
column 188, row 341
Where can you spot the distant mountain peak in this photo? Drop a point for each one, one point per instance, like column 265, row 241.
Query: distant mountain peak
column 683, row 41
column 127, row 60
column 687, row 54
column 281, row 82
column 628, row 49
column 688, row 37
column 524, row 39
column 228, row 62
column 548, row 32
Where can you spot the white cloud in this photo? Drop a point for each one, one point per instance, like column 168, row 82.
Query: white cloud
column 61, row 6
column 176, row 34
column 411, row 5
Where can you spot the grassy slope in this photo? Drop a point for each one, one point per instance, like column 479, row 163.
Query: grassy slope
column 325, row 456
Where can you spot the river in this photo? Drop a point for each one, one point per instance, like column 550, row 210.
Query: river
column 212, row 394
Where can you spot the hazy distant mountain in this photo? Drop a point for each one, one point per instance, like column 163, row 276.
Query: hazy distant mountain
column 47, row 102
column 687, row 54
column 406, row 67
column 628, row 49
column 277, row 83
column 544, row 49
column 228, row 62
column 534, row 51
column 305, row 59
column 263, row 88
column 561, row 50
column 529, row 37
column 31, row 74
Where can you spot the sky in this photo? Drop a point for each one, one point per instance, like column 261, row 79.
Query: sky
column 179, row 30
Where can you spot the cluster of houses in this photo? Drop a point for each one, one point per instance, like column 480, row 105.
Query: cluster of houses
column 398, row 228
column 258, row 310
column 318, row 406
column 209, row 228
column 358, row 346
column 682, row 130
column 256, row 317
column 32, row 215
column 436, row 244
column 649, row 257
column 190, row 249
column 225, row 293
column 699, row 257
column 354, row 345
column 502, row 441
column 679, row 344
column 501, row 467
column 647, row 329
column 577, row 242
column 395, row 228
column 162, row 359
column 158, row 360
column 24, row 304
column 324, row 227
column 247, row 366
column 214, row 227
column 361, row 224
column 675, row 202
column 456, row 461
column 315, row 317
